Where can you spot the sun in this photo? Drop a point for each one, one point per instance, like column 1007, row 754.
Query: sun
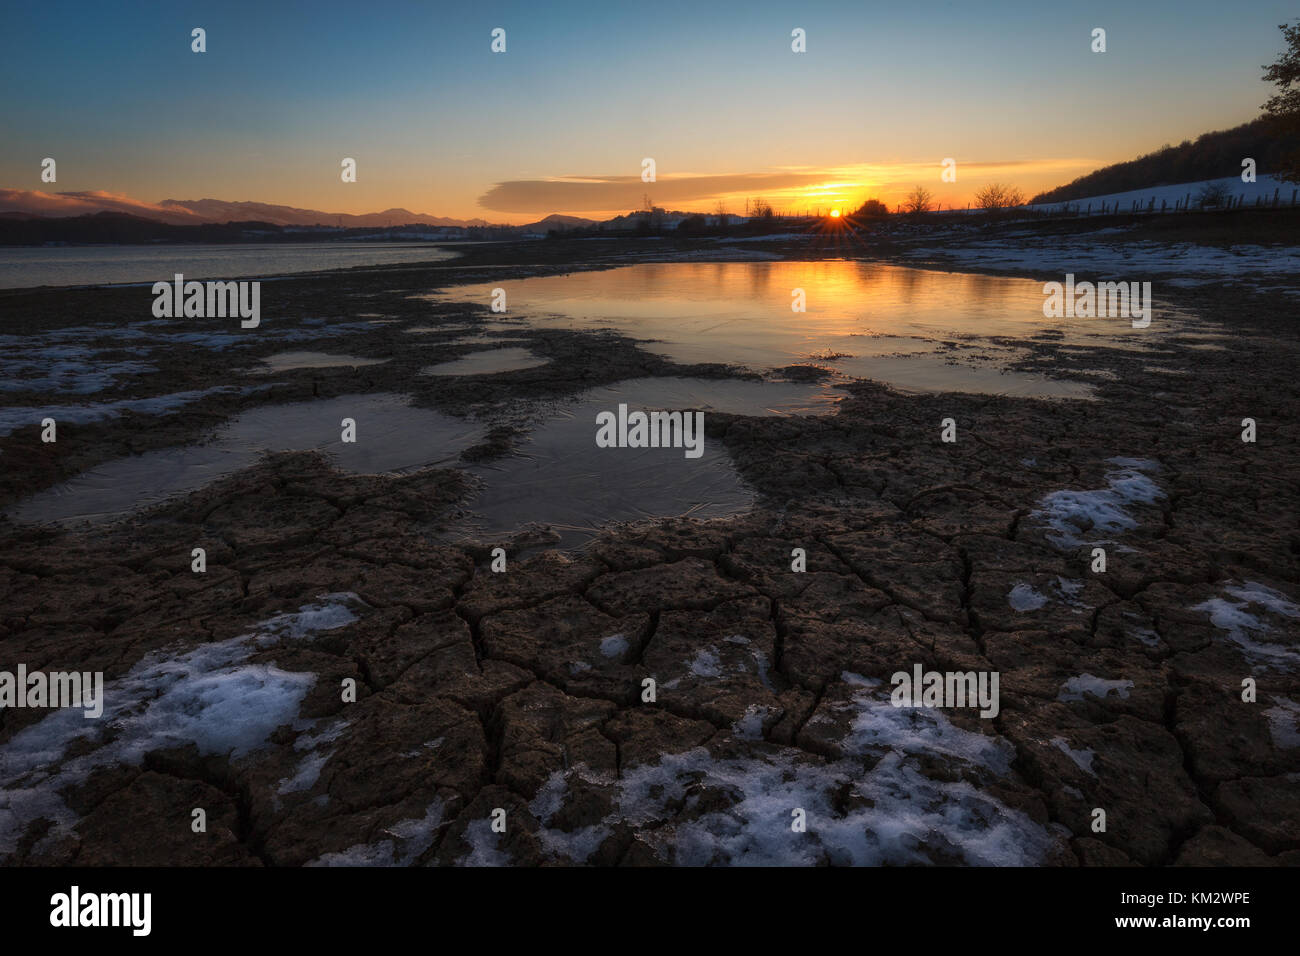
column 835, row 214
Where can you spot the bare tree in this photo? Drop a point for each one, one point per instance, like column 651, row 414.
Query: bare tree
column 919, row 199
column 999, row 196
column 720, row 210
column 1284, row 105
column 1213, row 194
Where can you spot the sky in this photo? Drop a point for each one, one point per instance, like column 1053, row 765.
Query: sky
column 563, row 119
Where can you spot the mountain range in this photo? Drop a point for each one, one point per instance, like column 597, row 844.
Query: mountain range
column 35, row 204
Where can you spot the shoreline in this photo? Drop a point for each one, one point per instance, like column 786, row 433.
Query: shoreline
column 913, row 548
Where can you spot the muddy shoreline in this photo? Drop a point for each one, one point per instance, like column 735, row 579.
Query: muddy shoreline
column 913, row 547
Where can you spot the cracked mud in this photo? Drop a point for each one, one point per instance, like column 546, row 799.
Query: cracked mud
column 522, row 690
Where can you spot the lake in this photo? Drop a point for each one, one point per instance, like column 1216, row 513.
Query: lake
column 22, row 267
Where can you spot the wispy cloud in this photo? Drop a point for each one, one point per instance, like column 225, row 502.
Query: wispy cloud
column 573, row 193
column 786, row 188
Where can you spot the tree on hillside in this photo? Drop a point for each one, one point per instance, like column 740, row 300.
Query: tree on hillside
column 999, row 196
column 1213, row 194
column 1283, row 107
column 918, row 200
column 871, row 209
column 1210, row 155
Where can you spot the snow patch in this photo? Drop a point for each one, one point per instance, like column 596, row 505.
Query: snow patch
column 860, row 812
column 1070, row 514
column 614, row 646
column 484, row 846
column 1076, row 687
column 1023, row 597
column 209, row 696
column 409, row 839
column 1246, row 630
column 1284, row 722
column 1081, row 757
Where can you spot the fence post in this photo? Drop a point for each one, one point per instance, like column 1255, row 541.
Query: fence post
column 1187, row 202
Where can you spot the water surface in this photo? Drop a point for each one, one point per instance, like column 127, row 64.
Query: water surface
column 391, row 436
column 917, row 329
column 21, row 267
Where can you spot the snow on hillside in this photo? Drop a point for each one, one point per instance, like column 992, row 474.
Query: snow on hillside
column 1263, row 187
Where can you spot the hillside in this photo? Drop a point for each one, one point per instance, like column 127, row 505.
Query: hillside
column 1210, row 156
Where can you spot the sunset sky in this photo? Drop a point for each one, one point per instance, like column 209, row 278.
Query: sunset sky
column 559, row 123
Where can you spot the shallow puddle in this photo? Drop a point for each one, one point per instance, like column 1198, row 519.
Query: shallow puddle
column 559, row 477
column 288, row 361
column 488, row 362
column 391, row 436
column 437, row 329
column 929, row 373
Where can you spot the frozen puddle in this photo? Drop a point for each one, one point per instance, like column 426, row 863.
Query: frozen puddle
column 289, row 361
column 392, row 436
column 488, row 362
column 560, row 478
column 211, row 696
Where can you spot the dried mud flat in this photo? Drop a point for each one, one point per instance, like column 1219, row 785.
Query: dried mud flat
column 521, row 690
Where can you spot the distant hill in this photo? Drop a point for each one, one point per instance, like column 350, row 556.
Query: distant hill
column 119, row 228
column 558, row 223
column 34, row 204
column 217, row 210
column 1209, row 156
